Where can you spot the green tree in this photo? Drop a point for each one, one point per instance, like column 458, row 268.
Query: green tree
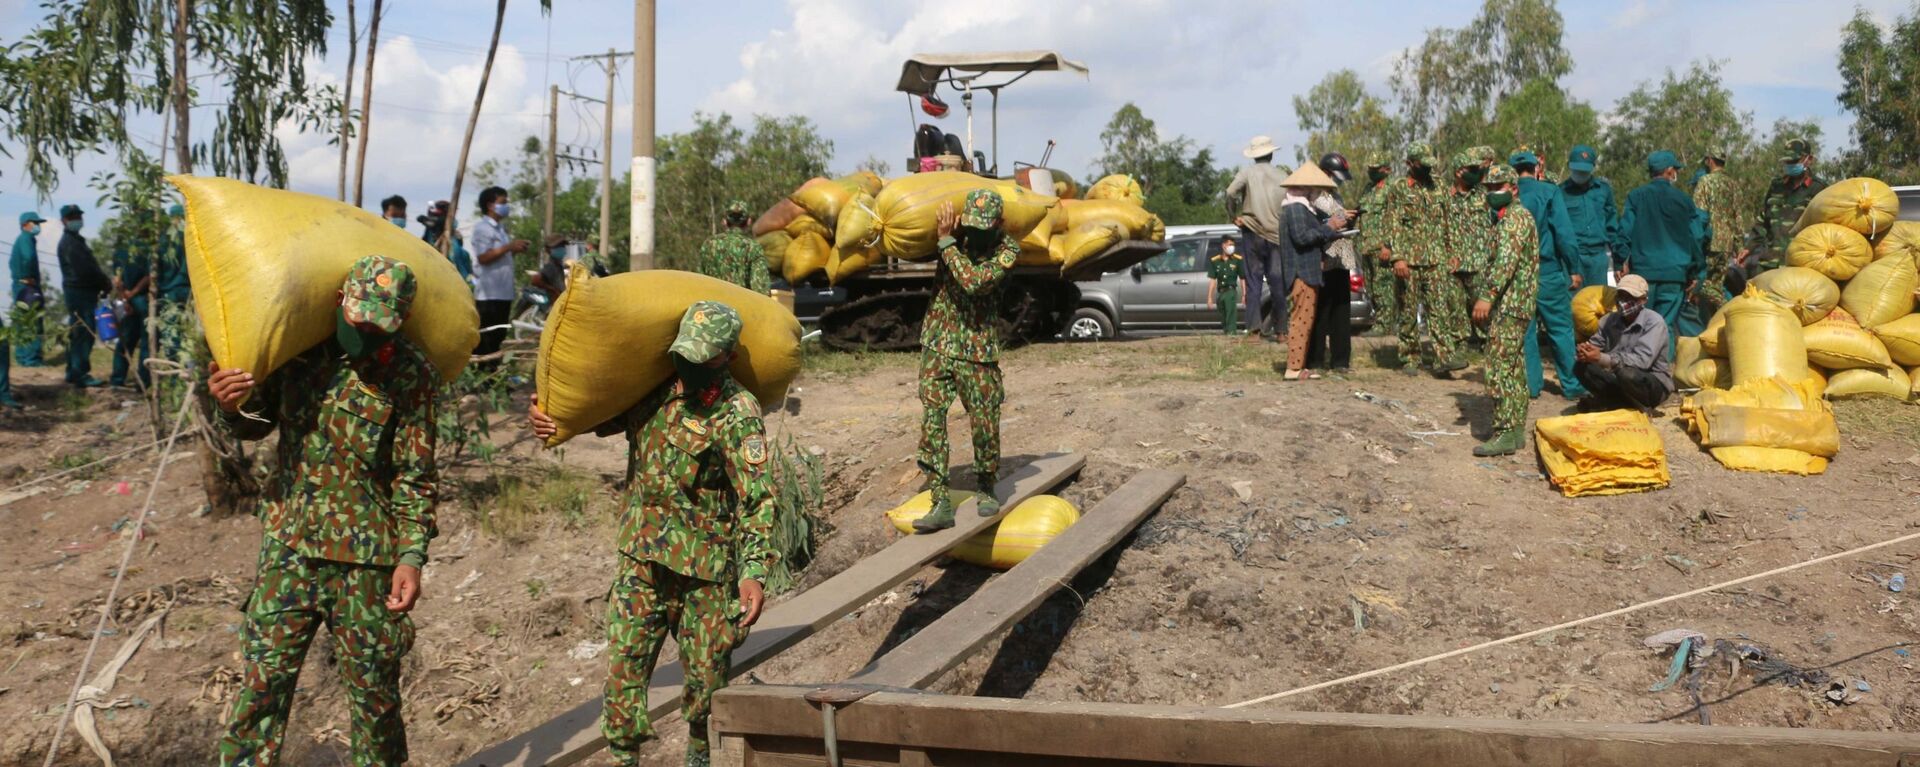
column 1181, row 180
column 716, row 161
column 1686, row 113
column 1880, row 76
column 1544, row 119
column 1339, row 115
column 1448, row 85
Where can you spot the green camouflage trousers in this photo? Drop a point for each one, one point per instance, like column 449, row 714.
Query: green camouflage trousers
column 978, row 387
column 1386, row 299
column 649, row 601
column 1506, row 371
column 292, row 597
column 1444, row 301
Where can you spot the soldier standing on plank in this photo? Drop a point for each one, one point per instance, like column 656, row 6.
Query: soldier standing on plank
column 696, row 541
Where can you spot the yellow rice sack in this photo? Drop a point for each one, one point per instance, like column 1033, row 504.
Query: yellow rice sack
column 1902, row 237
column 849, row 261
column 807, row 255
column 1713, row 338
column 1889, row 382
column 1026, row 528
column 774, row 245
column 1808, row 293
column 1773, row 460
column 605, row 344
column 824, row 198
column 1902, row 337
column 777, row 217
column 1882, row 292
column 1687, row 350
column 804, row 224
column 1839, row 343
column 1589, row 305
column 864, row 181
column 1704, row 373
column 1087, row 241
column 1138, row 223
column 1118, row 186
column 1810, row 431
column 267, row 265
column 1763, row 339
column 904, row 218
column 1830, row 249
column 1602, row 453
column 1865, row 205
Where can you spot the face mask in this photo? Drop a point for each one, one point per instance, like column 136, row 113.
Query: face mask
column 1631, row 312
column 1377, row 175
column 1227, row 249
column 33, row 229
column 1472, row 175
column 355, row 342
column 1499, row 200
column 74, row 226
column 1420, row 172
column 1581, row 177
column 502, row 209
column 558, row 254
column 1796, row 170
column 399, row 221
column 697, row 377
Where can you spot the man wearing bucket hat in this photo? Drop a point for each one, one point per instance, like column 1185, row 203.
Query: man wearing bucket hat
column 960, row 352
column 346, row 515
column 733, row 255
column 1715, row 195
column 1591, row 208
column 1780, row 209
column 1558, row 276
column 1413, row 226
column 1253, row 199
column 1625, row 364
column 696, row 541
column 1504, row 303
column 1660, row 234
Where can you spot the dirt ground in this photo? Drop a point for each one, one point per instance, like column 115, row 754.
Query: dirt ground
column 1327, row 528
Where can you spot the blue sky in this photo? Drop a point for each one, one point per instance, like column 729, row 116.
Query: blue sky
column 1219, row 71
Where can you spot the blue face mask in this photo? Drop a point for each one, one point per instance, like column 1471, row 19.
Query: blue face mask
column 558, row 254
column 1796, row 170
column 399, row 221
column 33, row 229
column 74, row 226
column 502, row 209
column 1580, row 176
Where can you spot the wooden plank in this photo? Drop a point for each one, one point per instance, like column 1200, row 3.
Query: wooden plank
column 953, row 638
column 575, row 734
column 955, row 730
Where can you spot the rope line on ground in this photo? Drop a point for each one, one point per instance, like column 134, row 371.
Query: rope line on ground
column 91, row 464
column 1572, row 623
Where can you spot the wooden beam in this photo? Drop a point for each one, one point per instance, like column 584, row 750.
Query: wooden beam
column 953, row 638
column 776, row 721
column 575, row 734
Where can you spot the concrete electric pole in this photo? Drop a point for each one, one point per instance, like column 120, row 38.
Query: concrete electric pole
column 642, row 244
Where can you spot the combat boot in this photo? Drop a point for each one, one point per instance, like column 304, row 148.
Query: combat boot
column 698, row 757
column 986, row 503
column 1447, row 368
column 1505, row 443
column 937, row 519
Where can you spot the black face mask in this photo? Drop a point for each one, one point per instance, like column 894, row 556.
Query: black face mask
column 1421, row 173
column 1472, row 175
column 697, row 377
column 355, row 342
column 1377, row 175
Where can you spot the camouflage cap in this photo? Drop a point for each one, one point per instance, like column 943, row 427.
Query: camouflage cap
column 708, row 330
column 1420, row 152
column 1464, row 160
column 1796, row 149
column 983, row 209
column 378, row 292
column 1717, row 153
column 737, row 211
column 1499, row 174
column 1484, row 155
column 1379, row 160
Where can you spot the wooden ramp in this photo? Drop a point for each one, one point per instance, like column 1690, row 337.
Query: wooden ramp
column 575, row 735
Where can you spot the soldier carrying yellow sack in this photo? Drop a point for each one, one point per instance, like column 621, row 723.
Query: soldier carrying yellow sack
column 696, row 540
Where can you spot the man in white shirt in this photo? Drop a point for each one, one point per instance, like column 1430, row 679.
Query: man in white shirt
column 493, row 251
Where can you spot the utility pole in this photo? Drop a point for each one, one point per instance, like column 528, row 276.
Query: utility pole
column 642, row 201
column 553, row 140
column 606, row 157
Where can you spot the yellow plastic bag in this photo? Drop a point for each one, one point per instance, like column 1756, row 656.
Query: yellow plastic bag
column 864, row 181
column 903, row 221
column 1704, row 373
column 1769, row 459
column 1713, row 338
column 1087, row 241
column 1687, row 350
column 1902, row 237
column 807, row 255
column 803, row 225
column 1602, row 453
column 1882, row 292
column 1811, row 431
column 1118, row 186
column 1839, row 343
column 267, row 265
column 1902, row 337
column 605, row 345
column 1763, row 339
column 1041, row 237
column 1589, row 305
column 1830, row 249
column 1889, row 382
column 848, row 261
column 774, row 245
column 1808, row 293
column 1026, row 528
column 1135, row 221
column 1865, row 205
column 823, row 198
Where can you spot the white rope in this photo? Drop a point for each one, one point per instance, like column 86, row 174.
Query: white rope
column 1571, row 624
column 113, row 592
column 91, row 464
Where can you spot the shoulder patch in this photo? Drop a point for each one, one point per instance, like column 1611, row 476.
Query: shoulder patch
column 754, row 449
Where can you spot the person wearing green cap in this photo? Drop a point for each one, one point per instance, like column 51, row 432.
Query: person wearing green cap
column 1787, row 197
column 1715, row 196
column 1558, row 276
column 346, row 514
column 1591, row 208
column 81, row 283
column 696, row 542
column 960, row 352
column 1376, row 259
column 1661, row 231
column 1465, row 238
column 1504, row 303
column 1412, row 230
column 23, row 322
column 733, row 255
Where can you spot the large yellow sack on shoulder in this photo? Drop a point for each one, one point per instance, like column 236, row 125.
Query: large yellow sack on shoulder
column 1902, row 337
column 806, row 256
column 1589, row 305
column 906, row 212
column 267, row 265
column 1882, row 292
column 1839, row 343
column 1808, row 293
column 1902, row 237
column 1774, row 460
column 1602, row 453
column 774, row 245
column 1118, row 186
column 1865, row 205
column 1763, row 339
column 1830, row 249
column 1811, row 431
column 1026, row 528
column 1889, row 382
column 605, row 345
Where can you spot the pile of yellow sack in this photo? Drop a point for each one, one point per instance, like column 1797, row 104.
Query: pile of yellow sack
column 1767, row 424
column 1030, row 525
column 841, row 227
column 1602, row 453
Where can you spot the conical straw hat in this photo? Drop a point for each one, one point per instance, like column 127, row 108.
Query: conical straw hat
column 1310, row 175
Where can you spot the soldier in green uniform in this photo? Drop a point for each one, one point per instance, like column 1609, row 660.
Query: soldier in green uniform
column 1504, row 303
column 1411, row 233
column 1591, row 208
column 1223, row 271
column 733, row 255
column 1465, row 232
column 28, row 292
column 1787, row 196
column 1715, row 195
column 696, row 541
column 1559, row 278
column 346, row 516
column 960, row 351
column 1376, row 259
column 1660, row 234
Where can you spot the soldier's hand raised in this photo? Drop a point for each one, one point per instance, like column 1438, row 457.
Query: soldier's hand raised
column 229, row 386
column 752, row 597
column 948, row 219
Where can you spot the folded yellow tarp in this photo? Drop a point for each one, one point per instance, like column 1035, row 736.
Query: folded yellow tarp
column 605, row 344
column 1811, row 431
column 1602, row 453
column 1032, row 524
column 267, row 264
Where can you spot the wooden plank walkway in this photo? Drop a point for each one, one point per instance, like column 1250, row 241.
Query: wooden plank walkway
column 575, row 735
column 953, row 638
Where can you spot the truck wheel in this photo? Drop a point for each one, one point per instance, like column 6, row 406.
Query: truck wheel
column 1089, row 324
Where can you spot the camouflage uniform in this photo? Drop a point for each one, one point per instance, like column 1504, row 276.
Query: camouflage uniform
column 1382, row 286
column 1412, row 229
column 350, row 497
column 699, row 520
column 734, row 256
column 1224, row 270
column 1779, row 211
column 1510, row 283
column 1715, row 195
column 1465, row 234
column 960, row 346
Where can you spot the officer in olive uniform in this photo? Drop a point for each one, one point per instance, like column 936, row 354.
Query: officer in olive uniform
column 960, row 351
column 1787, row 197
column 1376, row 259
column 1715, row 195
column 347, row 515
column 1412, row 233
column 733, row 255
column 1224, row 270
column 1504, row 303
column 1590, row 206
column 696, row 541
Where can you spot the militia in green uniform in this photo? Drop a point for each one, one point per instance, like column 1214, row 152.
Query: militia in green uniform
column 1224, row 270
column 1558, row 257
column 1376, row 259
column 1465, row 234
column 29, row 297
column 346, row 516
column 1411, row 231
column 1660, row 235
column 1715, row 195
column 1786, row 198
column 960, row 352
column 734, row 256
column 1590, row 206
column 1504, row 302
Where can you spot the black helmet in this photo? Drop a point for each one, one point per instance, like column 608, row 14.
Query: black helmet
column 1335, row 165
